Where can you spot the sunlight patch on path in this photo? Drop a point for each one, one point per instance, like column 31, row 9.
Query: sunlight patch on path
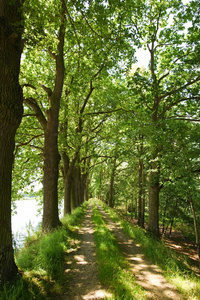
column 100, row 294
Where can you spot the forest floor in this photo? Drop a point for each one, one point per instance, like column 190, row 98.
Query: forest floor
column 82, row 281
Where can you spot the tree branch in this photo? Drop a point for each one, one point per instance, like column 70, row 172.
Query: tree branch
column 47, row 90
column 29, row 115
column 87, row 98
column 184, row 119
column 51, row 54
column 180, row 88
column 29, row 85
column 168, row 107
column 38, row 112
column 27, row 143
column 102, row 112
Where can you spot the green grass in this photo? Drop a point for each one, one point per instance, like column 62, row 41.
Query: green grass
column 42, row 260
column 175, row 266
column 113, row 268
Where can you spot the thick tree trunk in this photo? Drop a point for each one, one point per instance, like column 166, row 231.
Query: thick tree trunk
column 51, row 155
column 68, row 178
column 11, row 110
column 50, row 180
column 153, row 194
column 8, row 268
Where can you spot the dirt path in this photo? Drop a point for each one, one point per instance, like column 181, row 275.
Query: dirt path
column 84, row 283
column 83, row 276
column 148, row 276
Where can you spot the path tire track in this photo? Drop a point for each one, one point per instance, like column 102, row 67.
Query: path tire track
column 149, row 276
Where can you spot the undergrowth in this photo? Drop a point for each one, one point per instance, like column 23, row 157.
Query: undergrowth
column 175, row 267
column 113, row 268
column 41, row 261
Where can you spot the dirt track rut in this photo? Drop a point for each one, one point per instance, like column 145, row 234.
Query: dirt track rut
column 147, row 275
column 84, row 283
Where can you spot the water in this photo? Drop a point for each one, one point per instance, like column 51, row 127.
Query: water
column 26, row 220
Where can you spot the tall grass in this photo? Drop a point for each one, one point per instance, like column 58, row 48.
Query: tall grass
column 113, row 268
column 175, row 267
column 42, row 260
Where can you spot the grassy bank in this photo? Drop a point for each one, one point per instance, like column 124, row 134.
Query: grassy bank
column 176, row 267
column 41, row 261
column 113, row 268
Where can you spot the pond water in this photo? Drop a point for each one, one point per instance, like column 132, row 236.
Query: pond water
column 27, row 218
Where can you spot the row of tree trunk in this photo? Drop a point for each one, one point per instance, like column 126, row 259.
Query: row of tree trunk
column 11, row 107
column 76, row 185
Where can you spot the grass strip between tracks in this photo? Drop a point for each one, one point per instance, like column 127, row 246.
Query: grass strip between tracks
column 114, row 271
column 176, row 267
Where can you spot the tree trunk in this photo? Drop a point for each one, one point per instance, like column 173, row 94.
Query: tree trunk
column 67, row 196
column 111, row 200
column 153, row 194
column 86, row 189
column 77, row 184
column 164, row 215
column 11, row 108
column 136, row 207
column 86, row 182
column 141, row 195
column 74, row 199
column 67, row 184
column 68, row 171
column 195, row 223
column 50, row 180
column 51, row 155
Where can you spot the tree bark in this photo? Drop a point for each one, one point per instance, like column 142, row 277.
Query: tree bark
column 68, row 178
column 141, row 195
column 51, row 155
column 74, row 192
column 153, row 194
column 111, row 200
column 67, row 184
column 67, row 196
column 11, row 108
column 86, row 188
column 164, row 215
column 50, row 180
column 195, row 223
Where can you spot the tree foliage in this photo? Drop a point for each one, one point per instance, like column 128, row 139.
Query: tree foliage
column 127, row 134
